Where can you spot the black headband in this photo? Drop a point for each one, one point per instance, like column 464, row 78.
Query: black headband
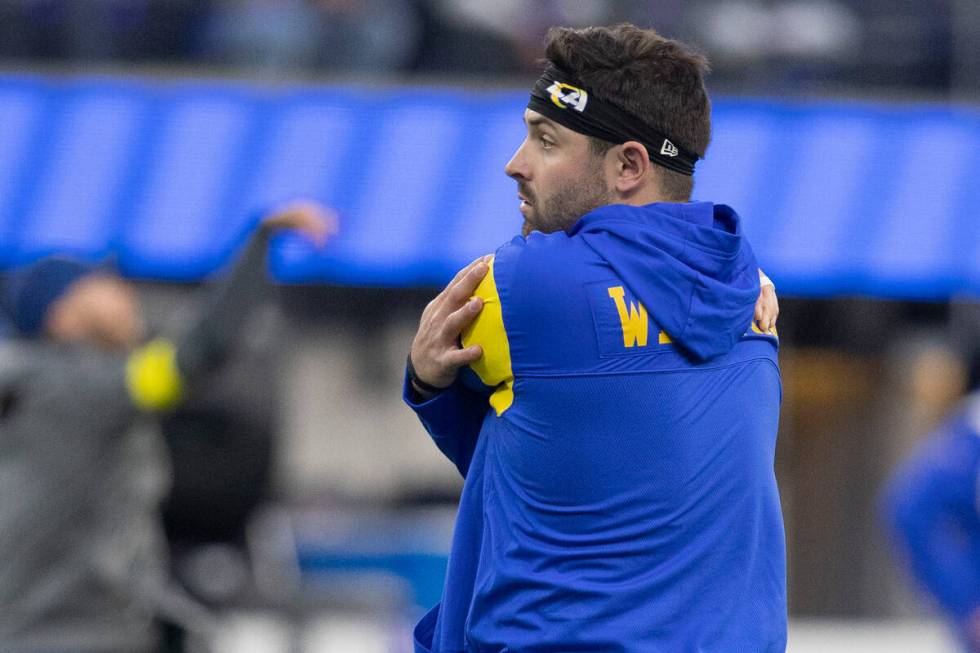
column 559, row 97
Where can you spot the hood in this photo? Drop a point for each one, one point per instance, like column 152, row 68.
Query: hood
column 688, row 264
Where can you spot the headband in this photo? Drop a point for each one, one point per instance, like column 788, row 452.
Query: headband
column 556, row 95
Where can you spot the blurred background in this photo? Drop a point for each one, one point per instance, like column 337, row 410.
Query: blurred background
column 309, row 508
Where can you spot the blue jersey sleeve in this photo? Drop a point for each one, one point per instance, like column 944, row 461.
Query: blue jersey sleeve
column 931, row 507
column 452, row 418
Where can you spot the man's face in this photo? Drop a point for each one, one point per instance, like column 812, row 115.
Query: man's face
column 99, row 310
column 559, row 178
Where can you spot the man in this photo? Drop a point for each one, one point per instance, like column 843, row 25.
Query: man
column 82, row 563
column 933, row 508
column 611, row 404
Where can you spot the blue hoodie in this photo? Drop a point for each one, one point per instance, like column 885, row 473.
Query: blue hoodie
column 617, row 440
column 932, row 505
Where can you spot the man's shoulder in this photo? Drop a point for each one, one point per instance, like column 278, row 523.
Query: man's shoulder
column 16, row 362
column 70, row 368
column 15, row 352
column 536, row 304
column 539, row 267
column 20, row 357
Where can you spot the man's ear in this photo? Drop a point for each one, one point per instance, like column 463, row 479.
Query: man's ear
column 633, row 168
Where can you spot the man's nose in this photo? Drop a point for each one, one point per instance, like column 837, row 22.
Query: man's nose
column 516, row 168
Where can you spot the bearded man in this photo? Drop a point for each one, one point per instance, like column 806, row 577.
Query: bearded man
column 601, row 384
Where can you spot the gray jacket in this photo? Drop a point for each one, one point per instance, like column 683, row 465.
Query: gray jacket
column 82, row 475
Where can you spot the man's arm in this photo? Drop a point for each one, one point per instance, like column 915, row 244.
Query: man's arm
column 453, row 418
column 932, row 508
column 449, row 411
column 159, row 373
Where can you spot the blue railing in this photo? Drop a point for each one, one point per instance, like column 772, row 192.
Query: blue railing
column 163, row 177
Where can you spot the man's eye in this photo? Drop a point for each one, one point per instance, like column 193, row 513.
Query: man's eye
column 546, row 143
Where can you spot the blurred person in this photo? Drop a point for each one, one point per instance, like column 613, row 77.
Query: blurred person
column 271, row 35
column 932, row 505
column 493, row 38
column 221, row 442
column 368, row 36
column 171, row 30
column 810, row 44
column 471, row 37
column 82, row 560
column 343, row 36
column 607, row 383
column 99, row 30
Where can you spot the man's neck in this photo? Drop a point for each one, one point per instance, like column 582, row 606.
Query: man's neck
column 641, row 197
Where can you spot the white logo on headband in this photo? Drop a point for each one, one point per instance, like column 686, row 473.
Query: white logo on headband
column 668, row 148
column 565, row 95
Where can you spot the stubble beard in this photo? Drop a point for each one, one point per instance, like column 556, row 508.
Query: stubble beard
column 562, row 209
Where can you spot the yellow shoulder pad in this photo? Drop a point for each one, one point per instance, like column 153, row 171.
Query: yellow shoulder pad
column 494, row 367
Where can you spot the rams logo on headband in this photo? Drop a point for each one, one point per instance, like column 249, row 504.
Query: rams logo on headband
column 565, row 95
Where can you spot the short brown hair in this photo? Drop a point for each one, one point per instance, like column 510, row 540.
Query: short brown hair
column 659, row 80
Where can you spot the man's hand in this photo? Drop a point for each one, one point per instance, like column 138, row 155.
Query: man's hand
column 315, row 221
column 436, row 352
column 767, row 306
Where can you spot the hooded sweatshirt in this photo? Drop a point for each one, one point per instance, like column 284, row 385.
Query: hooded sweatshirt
column 617, row 441
column 932, row 505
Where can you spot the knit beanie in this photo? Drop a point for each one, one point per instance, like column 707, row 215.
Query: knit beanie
column 29, row 292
